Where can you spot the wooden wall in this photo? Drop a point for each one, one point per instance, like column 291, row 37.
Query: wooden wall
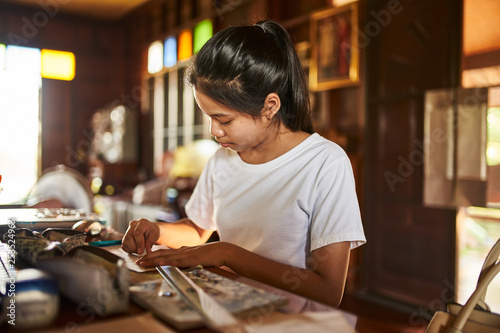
column 100, row 78
column 159, row 19
column 410, row 251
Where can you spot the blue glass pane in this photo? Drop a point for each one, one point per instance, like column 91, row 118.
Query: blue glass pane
column 170, row 54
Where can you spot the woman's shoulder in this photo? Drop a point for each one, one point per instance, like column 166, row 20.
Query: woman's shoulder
column 318, row 145
column 317, row 153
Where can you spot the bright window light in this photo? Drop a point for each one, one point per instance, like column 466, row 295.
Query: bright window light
column 2, row 56
column 155, row 57
column 22, row 59
column 493, row 141
column 170, row 55
column 19, row 112
column 202, row 32
column 58, row 65
column 185, row 44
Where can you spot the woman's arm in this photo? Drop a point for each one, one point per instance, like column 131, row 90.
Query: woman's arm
column 181, row 233
column 323, row 282
column 142, row 234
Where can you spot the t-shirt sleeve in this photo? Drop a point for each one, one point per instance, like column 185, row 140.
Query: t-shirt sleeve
column 336, row 216
column 200, row 208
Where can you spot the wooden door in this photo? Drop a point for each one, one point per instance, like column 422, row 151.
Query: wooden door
column 410, row 47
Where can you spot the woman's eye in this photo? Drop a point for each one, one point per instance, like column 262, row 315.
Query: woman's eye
column 225, row 123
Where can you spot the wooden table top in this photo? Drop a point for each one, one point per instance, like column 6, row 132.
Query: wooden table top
column 299, row 310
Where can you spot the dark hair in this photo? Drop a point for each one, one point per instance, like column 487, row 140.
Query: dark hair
column 239, row 66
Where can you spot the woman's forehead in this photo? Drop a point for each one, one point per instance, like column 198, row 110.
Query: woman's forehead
column 212, row 107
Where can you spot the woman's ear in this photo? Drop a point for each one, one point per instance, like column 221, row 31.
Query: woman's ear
column 272, row 105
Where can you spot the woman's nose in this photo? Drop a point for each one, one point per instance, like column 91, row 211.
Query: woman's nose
column 215, row 130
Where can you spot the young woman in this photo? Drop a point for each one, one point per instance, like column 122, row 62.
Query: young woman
column 281, row 197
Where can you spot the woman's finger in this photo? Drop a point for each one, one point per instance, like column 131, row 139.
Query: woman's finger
column 140, row 232
column 184, row 257
column 128, row 242
column 174, row 260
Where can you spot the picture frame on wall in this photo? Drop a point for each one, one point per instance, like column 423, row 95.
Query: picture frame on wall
column 334, row 48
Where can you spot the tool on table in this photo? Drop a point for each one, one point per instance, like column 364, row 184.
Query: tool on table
column 214, row 315
column 106, row 242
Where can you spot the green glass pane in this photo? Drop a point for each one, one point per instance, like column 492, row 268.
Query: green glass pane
column 2, row 56
column 202, row 32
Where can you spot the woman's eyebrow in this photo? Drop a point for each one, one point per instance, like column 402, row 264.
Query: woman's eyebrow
column 219, row 115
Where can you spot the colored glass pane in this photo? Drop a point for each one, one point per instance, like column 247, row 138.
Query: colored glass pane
column 202, row 32
column 185, row 44
column 2, row 56
column 155, row 57
column 170, row 54
column 58, row 65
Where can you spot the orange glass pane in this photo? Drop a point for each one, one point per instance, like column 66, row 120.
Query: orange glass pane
column 185, row 44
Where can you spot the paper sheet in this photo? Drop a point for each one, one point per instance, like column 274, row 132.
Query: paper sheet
column 130, row 259
column 325, row 321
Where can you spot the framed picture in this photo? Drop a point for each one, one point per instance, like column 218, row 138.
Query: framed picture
column 334, row 48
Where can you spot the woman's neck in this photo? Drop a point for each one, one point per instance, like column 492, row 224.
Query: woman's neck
column 276, row 145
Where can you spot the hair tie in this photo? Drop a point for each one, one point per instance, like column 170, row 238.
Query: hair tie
column 258, row 26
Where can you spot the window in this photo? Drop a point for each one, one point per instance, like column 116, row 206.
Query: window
column 462, row 170
column 20, row 84
column 176, row 119
column 21, row 70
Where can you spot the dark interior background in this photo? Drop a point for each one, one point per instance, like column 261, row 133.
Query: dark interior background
column 410, row 254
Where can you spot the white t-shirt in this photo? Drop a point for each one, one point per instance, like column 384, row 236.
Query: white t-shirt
column 282, row 209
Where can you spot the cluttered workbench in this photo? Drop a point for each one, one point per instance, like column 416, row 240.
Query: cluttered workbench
column 76, row 278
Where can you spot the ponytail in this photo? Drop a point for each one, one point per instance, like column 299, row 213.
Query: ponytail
column 239, row 66
column 297, row 89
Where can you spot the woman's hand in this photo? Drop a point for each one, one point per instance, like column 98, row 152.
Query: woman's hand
column 140, row 236
column 211, row 254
